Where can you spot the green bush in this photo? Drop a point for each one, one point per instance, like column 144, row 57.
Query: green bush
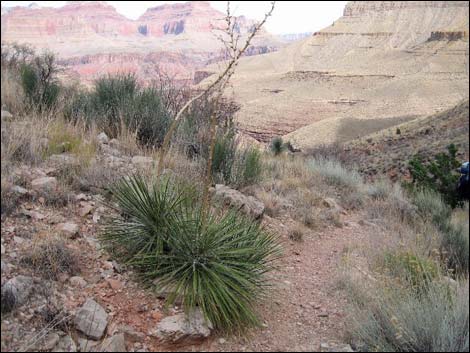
column 277, row 146
column 119, row 101
column 251, row 166
column 439, row 175
column 399, row 320
column 217, row 264
column 417, row 270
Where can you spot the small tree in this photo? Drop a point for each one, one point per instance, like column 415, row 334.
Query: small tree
column 277, row 146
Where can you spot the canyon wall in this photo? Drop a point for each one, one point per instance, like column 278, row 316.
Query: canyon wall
column 92, row 38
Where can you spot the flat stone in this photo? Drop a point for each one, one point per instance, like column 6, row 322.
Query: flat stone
column 91, row 319
column 116, row 343
column 235, row 199
column 335, row 347
column 86, row 345
column 44, row 184
column 78, row 282
column 182, row 327
column 66, row 344
column 70, row 229
column 33, row 214
column 19, row 190
column 114, row 284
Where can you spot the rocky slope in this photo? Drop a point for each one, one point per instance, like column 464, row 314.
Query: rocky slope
column 392, row 60
column 388, row 152
column 92, row 38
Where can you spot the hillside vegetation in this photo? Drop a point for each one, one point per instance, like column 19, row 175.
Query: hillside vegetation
column 100, row 251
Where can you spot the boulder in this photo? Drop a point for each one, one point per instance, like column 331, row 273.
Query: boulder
column 46, row 184
column 77, row 281
column 91, row 319
column 234, row 198
column 15, row 292
column 182, row 327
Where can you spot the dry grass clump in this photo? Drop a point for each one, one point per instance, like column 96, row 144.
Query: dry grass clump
column 50, row 257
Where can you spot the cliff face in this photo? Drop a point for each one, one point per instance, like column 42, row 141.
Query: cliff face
column 381, row 60
column 92, row 38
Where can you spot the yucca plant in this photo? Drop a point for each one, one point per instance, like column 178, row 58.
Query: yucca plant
column 217, row 262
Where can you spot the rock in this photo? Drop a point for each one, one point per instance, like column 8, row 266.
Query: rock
column 19, row 190
column 64, row 159
column 66, row 344
column 182, row 327
column 114, row 284
column 233, row 198
column 78, row 281
column 48, row 342
column 114, row 343
column 3, row 250
column 131, row 333
column 331, row 203
column 103, row 138
column 86, row 345
column 334, row 347
column 91, row 319
column 70, row 229
column 46, row 184
column 6, row 114
column 15, row 292
column 33, row 214
column 141, row 161
column 86, row 209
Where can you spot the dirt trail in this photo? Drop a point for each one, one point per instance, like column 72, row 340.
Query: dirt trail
column 304, row 309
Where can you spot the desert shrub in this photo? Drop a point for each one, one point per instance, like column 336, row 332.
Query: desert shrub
column 399, row 320
column 119, row 101
column 454, row 236
column 277, row 146
column 335, row 174
column 380, row 190
column 39, row 81
column 216, row 263
column 223, row 159
column 417, row 270
column 50, row 257
column 248, row 167
column 439, row 174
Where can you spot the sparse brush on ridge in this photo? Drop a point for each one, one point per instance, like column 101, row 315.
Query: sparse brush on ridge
column 217, row 263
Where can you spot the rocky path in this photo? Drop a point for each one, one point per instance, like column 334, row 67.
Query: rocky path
column 305, row 311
